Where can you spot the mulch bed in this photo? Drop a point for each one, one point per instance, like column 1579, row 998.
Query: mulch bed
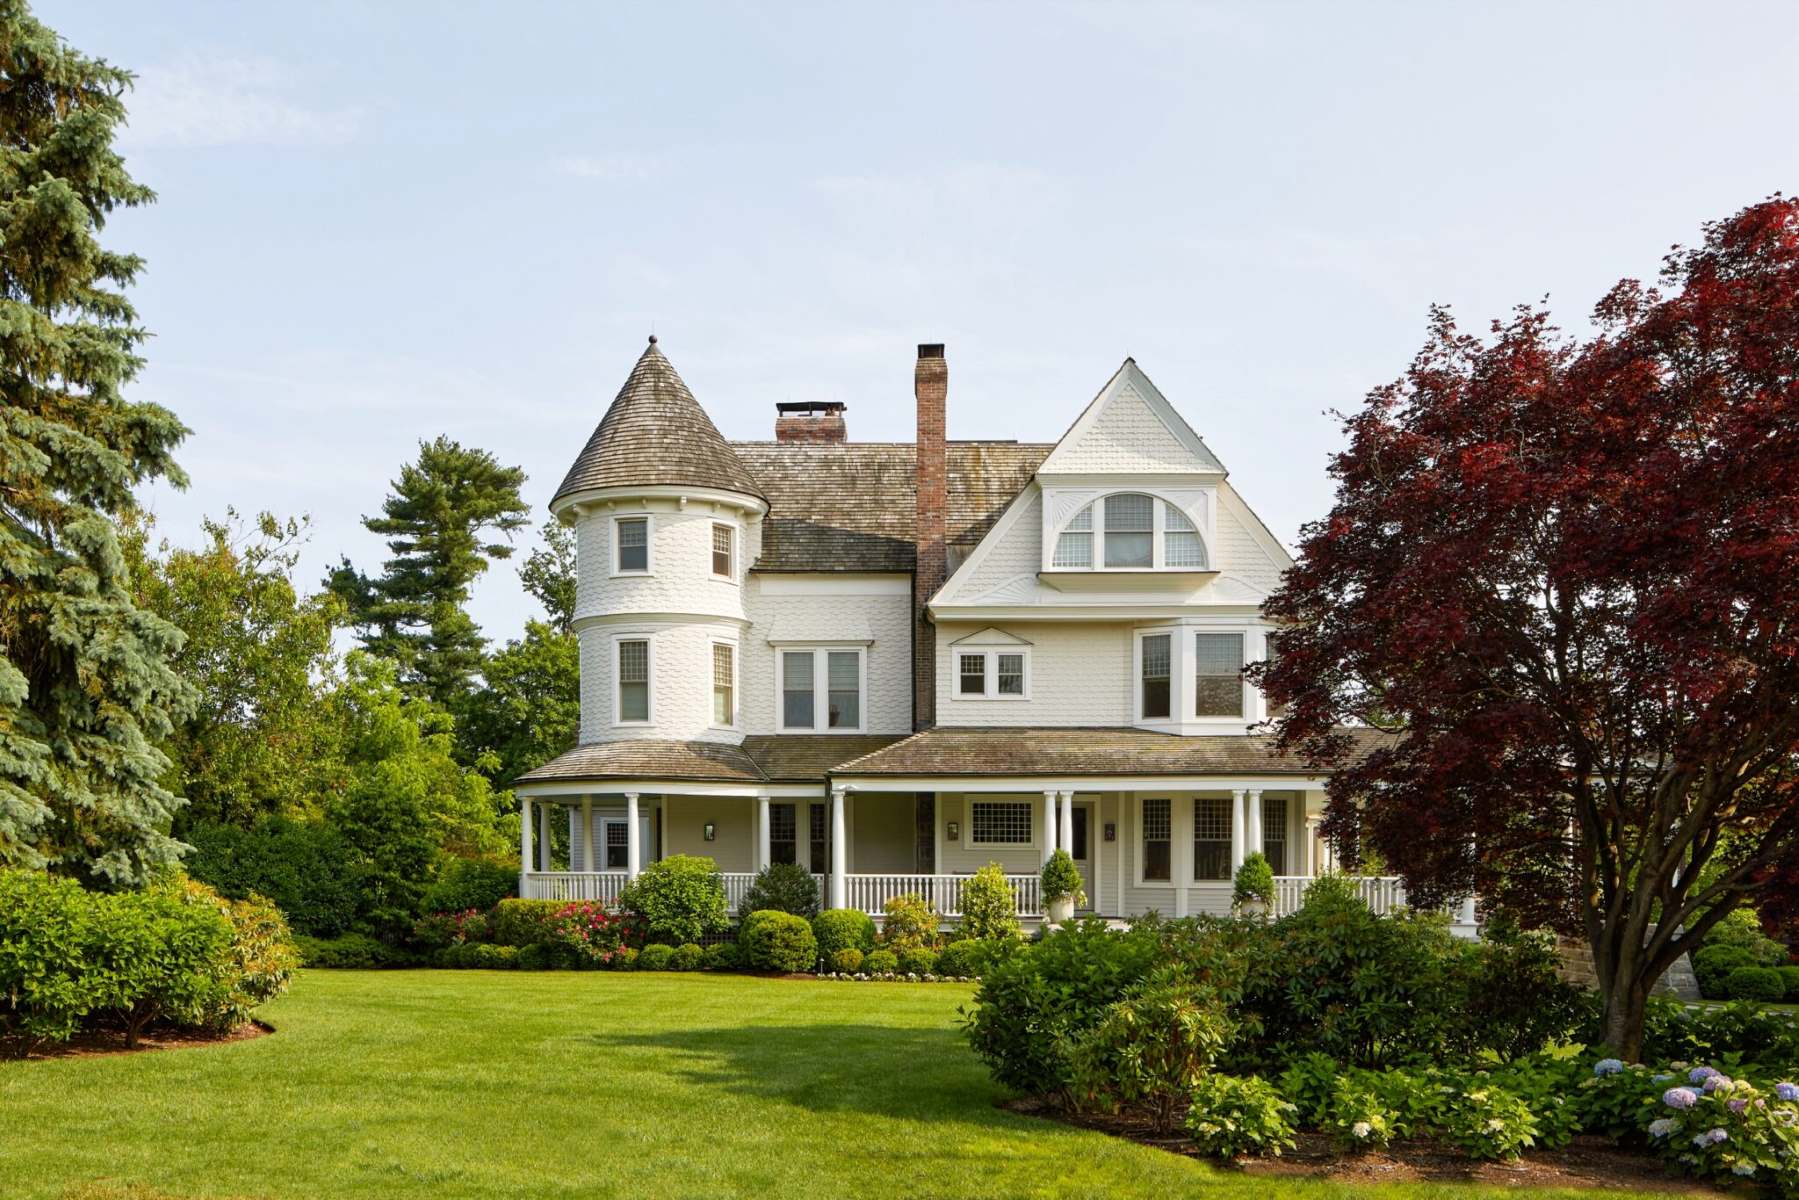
column 1587, row 1162
column 97, row 1042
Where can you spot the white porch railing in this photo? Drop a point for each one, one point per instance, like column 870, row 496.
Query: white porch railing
column 1384, row 893
column 870, row 893
column 736, row 884
column 573, row 885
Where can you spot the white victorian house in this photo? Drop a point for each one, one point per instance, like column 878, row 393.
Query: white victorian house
column 895, row 663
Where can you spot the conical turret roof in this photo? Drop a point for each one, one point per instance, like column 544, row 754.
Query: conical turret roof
column 656, row 434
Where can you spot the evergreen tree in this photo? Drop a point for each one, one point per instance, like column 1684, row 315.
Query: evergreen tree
column 549, row 574
column 441, row 508
column 86, row 687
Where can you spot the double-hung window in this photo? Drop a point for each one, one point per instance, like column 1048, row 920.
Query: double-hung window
column 1130, row 531
column 1274, row 832
column 990, row 675
column 633, row 537
column 783, row 846
column 821, row 690
column 1158, row 830
column 633, row 680
column 999, row 823
column 724, row 540
column 1157, row 648
column 1218, row 674
column 724, row 684
column 1211, row 839
column 821, row 839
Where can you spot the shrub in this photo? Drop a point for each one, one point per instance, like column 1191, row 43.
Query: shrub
column 470, row 883
column 880, row 962
column 777, row 941
column 259, row 961
column 1789, row 978
column 782, row 887
column 1725, row 1128
column 1149, row 1050
column 1308, row 1082
column 484, row 956
column 1487, row 1122
column 1232, row 1116
column 1254, row 882
column 655, row 957
column 308, row 869
column 847, row 961
column 1509, row 994
column 989, row 906
column 1755, row 983
column 679, row 899
column 541, row 956
column 971, row 957
column 1061, row 878
column 434, row 931
column 910, row 921
column 843, row 929
column 525, row 922
column 687, row 957
column 917, row 960
column 721, row 956
column 1713, row 963
column 1356, row 1117
column 625, row 959
column 45, row 926
column 351, row 951
column 592, row 934
column 1741, row 1029
column 158, row 957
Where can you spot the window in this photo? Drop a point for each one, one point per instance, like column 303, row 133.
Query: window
column 1129, row 532
column 1074, row 547
column 999, row 823
column 782, row 846
column 821, row 839
column 990, row 675
column 1218, row 674
column 821, row 690
column 1181, row 546
column 618, row 846
column 633, row 543
column 1079, row 841
column 1158, row 828
column 1010, row 674
column 971, row 678
column 723, row 537
column 1211, row 838
column 724, row 684
column 1274, row 832
column 1156, row 648
column 633, row 679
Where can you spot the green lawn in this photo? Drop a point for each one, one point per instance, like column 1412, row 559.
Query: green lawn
column 477, row 1084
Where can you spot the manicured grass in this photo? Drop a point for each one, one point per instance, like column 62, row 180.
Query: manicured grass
column 452, row 1084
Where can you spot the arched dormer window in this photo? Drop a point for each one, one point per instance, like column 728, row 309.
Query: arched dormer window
column 1118, row 533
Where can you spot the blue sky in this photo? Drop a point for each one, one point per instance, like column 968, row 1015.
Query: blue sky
column 380, row 222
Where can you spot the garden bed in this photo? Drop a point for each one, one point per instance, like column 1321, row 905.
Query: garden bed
column 1588, row 1162
column 90, row 1043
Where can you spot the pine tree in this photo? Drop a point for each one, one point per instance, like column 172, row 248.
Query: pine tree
column 86, row 687
column 441, row 508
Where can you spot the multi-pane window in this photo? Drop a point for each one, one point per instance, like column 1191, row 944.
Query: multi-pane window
column 782, row 834
column 821, row 839
column 1130, row 530
column 633, row 679
column 1218, row 674
column 633, row 543
column 819, row 684
column 1158, row 830
column 987, row 674
column 722, row 538
column 1000, row 822
column 797, row 710
column 1211, row 838
column 1074, row 546
column 724, row 684
column 1156, row 650
column 971, row 674
column 1009, row 674
column 1274, row 832
column 1181, row 546
column 618, row 846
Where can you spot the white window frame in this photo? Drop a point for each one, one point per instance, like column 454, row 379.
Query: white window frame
column 731, row 575
column 1158, row 532
column 649, row 640
column 821, row 688
column 1245, row 701
column 1030, row 820
column 1140, row 843
column 736, row 684
column 649, row 544
column 990, row 676
column 1175, row 690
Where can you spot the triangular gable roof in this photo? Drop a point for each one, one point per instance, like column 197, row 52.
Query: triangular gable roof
column 656, row 434
column 1130, row 427
column 990, row 636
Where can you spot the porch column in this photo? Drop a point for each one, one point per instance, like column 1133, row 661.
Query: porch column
column 1049, row 825
column 762, row 851
column 1311, row 840
column 524, row 840
column 545, row 847
column 1253, row 819
column 1237, row 828
column 633, row 851
column 838, row 857
column 1180, row 853
column 1065, row 831
column 587, row 859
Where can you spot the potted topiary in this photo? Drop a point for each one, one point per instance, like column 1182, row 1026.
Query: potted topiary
column 1062, row 892
column 1253, row 893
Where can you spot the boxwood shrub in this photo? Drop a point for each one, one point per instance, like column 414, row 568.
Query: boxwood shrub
column 1755, row 983
column 917, row 960
column 655, row 957
column 351, row 951
column 687, row 957
column 880, row 962
column 524, row 922
column 777, row 941
column 847, row 961
column 843, row 929
column 721, row 956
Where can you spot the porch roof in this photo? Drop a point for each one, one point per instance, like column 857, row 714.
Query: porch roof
column 1068, row 752
column 794, row 758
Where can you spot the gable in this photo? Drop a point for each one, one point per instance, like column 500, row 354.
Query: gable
column 990, row 636
column 1130, row 428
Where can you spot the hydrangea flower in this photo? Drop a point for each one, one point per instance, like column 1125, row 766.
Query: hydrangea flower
column 1361, row 1129
column 1680, row 1097
column 1787, row 1091
column 1661, row 1127
column 1737, row 1106
column 1700, row 1074
column 1662, row 1078
column 1711, row 1137
column 1714, row 1082
column 1608, row 1066
column 1742, row 1168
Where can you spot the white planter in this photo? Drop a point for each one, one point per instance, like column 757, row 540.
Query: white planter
column 1061, row 910
column 1253, row 907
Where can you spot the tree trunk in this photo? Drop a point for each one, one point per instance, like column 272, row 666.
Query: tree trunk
column 1625, row 994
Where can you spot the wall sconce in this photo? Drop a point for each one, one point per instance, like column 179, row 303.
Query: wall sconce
column 954, row 829
column 711, row 831
column 1111, row 831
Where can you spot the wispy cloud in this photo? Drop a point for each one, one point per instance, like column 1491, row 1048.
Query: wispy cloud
column 229, row 101
column 610, row 168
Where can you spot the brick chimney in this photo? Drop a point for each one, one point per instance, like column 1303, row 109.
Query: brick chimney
column 819, row 423
column 930, row 384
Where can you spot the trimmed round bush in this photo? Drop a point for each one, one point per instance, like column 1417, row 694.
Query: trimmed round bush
column 783, row 887
column 917, row 960
column 679, row 899
column 687, row 957
column 880, row 962
column 1254, row 882
column 655, row 957
column 777, row 941
column 847, row 961
column 721, row 956
column 843, row 929
column 538, row 957
column 1755, row 983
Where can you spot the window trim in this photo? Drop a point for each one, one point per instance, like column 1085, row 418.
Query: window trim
column 1030, row 818
column 649, row 544
column 736, row 684
column 1141, row 856
column 1175, row 690
column 990, row 672
column 649, row 641
column 730, row 575
column 821, row 688
column 1245, row 701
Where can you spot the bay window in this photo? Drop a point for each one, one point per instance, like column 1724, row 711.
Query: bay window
column 1218, row 675
column 1155, row 676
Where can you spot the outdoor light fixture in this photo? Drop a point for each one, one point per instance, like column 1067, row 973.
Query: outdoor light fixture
column 955, row 831
column 711, row 831
column 1111, row 831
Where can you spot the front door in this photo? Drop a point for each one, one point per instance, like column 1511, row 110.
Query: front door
column 1083, row 850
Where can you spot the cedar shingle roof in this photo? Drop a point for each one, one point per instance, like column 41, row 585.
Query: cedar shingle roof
column 851, row 506
column 1066, row 751
column 793, row 758
column 654, row 434
column 807, row 758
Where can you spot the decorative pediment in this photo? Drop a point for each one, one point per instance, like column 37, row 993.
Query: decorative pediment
column 990, row 637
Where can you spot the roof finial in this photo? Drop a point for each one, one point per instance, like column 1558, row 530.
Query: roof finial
column 652, row 339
